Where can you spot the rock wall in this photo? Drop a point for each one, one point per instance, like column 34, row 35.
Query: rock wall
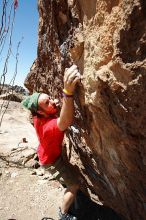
column 107, row 40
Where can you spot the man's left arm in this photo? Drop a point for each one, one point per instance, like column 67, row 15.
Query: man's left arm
column 71, row 78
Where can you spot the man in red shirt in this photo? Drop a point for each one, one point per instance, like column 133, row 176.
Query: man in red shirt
column 50, row 131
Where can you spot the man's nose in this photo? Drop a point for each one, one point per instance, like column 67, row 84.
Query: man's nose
column 54, row 102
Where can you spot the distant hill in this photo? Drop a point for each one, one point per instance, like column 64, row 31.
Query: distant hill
column 13, row 93
column 17, row 89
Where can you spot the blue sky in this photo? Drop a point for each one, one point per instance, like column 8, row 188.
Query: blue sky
column 26, row 26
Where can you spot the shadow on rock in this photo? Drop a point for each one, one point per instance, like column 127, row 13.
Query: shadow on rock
column 47, row 218
column 85, row 209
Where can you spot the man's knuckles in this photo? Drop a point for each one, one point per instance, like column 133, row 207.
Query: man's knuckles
column 72, row 69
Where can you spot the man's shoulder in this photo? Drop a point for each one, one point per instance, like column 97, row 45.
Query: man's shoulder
column 45, row 120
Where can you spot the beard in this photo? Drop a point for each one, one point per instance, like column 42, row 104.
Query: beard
column 51, row 110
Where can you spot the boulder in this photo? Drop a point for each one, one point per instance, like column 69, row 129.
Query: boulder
column 106, row 144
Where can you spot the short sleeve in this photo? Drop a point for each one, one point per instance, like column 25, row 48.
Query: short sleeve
column 52, row 130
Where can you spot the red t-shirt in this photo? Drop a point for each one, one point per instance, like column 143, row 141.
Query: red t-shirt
column 50, row 138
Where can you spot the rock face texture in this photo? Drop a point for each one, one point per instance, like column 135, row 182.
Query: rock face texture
column 107, row 143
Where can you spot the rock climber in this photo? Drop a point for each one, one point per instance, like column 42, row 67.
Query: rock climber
column 50, row 131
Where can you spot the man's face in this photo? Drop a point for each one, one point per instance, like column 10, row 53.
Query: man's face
column 47, row 106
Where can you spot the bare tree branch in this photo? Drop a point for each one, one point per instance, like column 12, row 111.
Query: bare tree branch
column 7, row 27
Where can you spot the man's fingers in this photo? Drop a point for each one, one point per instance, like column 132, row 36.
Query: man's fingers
column 73, row 75
column 72, row 68
column 76, row 80
column 69, row 71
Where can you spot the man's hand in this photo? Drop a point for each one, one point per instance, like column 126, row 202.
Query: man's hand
column 71, row 78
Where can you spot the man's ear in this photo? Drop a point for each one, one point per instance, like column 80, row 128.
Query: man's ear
column 40, row 112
